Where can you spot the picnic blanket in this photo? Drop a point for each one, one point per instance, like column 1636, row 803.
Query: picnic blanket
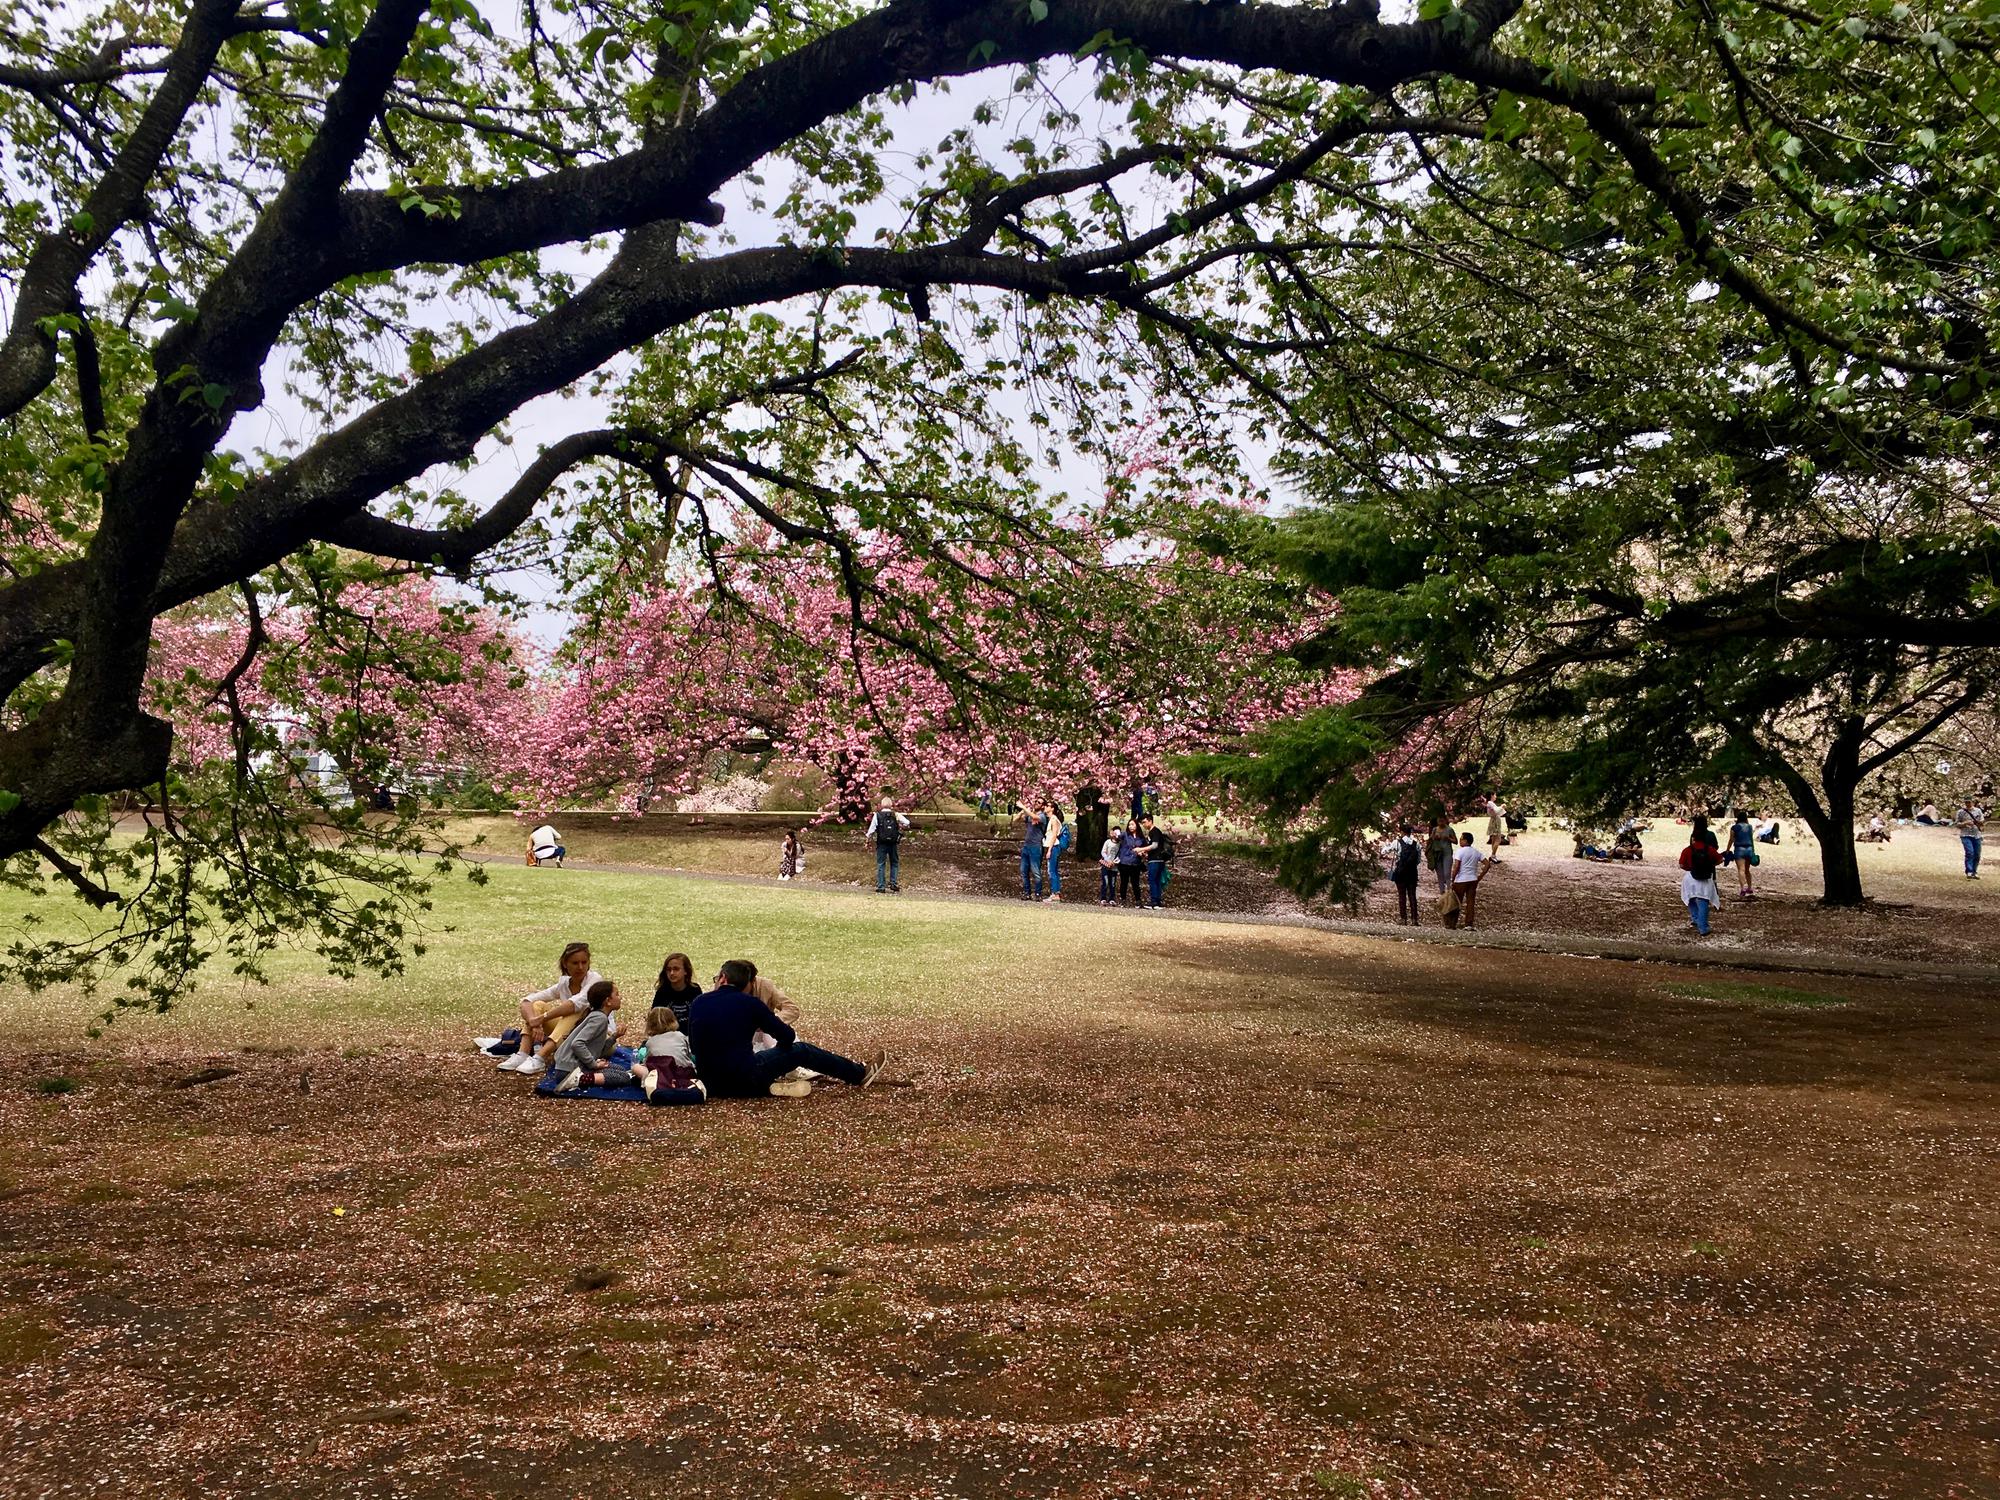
column 621, row 1057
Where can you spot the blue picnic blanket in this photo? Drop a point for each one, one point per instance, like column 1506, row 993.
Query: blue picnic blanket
column 621, row 1057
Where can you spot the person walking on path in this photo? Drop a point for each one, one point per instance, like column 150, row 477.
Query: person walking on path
column 1496, row 828
column 1033, row 853
column 1437, row 854
column 1698, row 862
column 1970, row 821
column 1468, row 868
column 1403, row 872
column 725, row 1021
column 1743, row 850
column 887, row 828
column 791, row 862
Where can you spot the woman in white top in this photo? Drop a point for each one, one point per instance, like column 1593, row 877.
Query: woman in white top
column 547, row 1016
column 547, row 845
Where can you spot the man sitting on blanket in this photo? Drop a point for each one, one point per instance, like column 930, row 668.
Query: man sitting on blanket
column 720, row 1030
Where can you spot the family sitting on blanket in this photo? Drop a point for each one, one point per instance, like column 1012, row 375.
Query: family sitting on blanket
column 734, row 1041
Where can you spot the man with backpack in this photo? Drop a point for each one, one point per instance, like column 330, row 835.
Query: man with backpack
column 886, row 828
column 1158, row 852
column 1408, row 863
column 1698, row 865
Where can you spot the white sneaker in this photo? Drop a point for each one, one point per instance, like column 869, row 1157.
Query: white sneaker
column 511, row 1063
column 789, row 1088
column 571, row 1080
column 648, row 1081
column 532, row 1066
column 701, row 1088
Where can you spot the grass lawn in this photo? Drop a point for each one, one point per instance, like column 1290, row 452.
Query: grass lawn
column 1172, row 1209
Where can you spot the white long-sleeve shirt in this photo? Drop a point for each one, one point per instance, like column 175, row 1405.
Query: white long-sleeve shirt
column 561, row 991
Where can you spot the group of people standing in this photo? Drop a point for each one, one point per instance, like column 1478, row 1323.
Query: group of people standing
column 1455, row 861
column 1141, row 851
column 733, row 1040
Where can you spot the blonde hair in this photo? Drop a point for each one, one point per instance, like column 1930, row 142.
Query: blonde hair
column 661, row 1018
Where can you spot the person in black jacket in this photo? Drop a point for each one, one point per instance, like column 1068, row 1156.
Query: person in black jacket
column 719, row 1032
column 677, row 989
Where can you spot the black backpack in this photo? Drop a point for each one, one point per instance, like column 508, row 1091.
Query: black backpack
column 887, row 829
column 1407, row 856
column 1163, row 845
column 1701, row 861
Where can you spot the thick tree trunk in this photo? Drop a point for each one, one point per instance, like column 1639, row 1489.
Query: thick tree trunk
column 1840, row 869
column 1828, row 811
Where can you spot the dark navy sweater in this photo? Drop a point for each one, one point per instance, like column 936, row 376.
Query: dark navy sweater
column 719, row 1028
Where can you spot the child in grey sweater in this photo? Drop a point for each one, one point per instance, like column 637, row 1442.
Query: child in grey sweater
column 581, row 1057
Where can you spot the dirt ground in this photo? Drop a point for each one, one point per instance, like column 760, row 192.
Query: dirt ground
column 1282, row 1214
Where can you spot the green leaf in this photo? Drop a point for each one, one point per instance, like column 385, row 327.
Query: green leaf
column 215, row 395
column 1038, row 10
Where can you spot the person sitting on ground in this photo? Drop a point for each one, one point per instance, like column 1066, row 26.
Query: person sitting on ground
column 791, row 859
column 1587, row 847
column 581, row 1059
column 664, row 1069
column 1768, row 830
column 720, row 1031
column 1877, row 831
column 782, row 1005
column 545, row 846
column 1467, row 871
column 1927, row 815
column 547, row 1016
column 1107, row 871
column 1626, row 844
column 676, row 988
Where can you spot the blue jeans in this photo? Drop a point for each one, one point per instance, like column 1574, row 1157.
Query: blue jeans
column 1107, row 884
column 1971, row 842
column 1698, row 910
column 1156, row 880
column 1032, row 878
column 1055, row 873
column 886, row 856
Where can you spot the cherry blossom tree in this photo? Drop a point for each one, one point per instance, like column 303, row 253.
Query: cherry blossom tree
column 1081, row 665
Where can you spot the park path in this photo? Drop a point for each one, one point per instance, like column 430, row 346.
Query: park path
column 1778, row 961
